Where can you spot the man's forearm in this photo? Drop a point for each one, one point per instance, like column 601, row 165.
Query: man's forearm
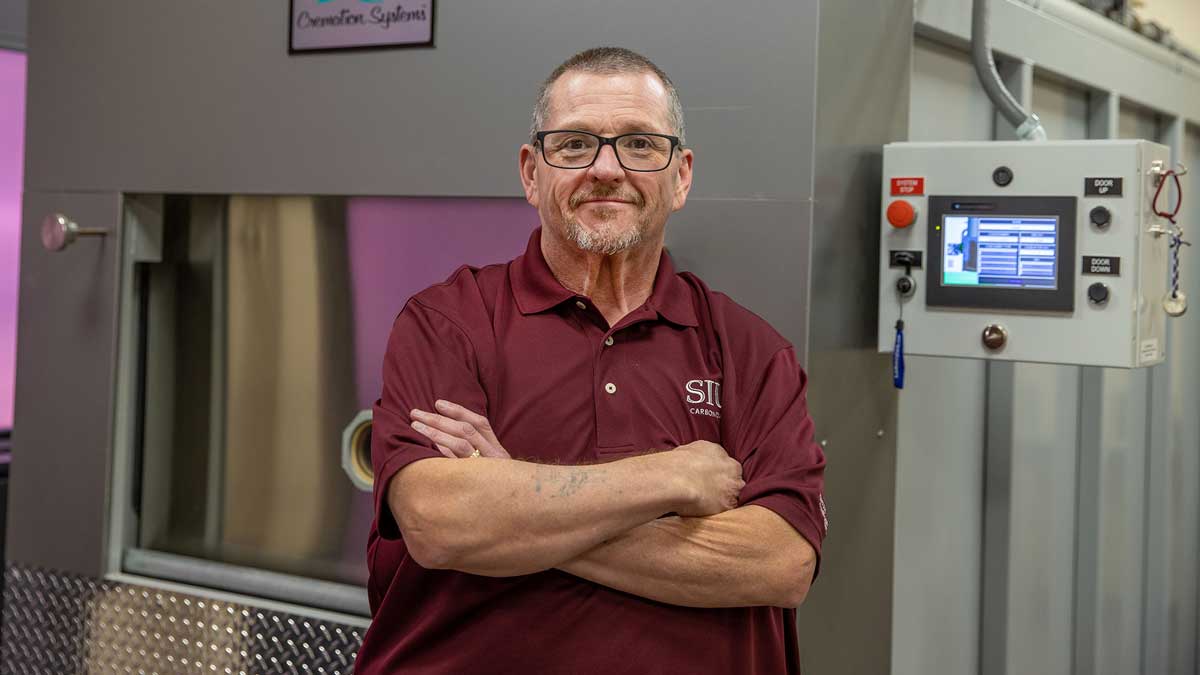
column 502, row 517
column 748, row 556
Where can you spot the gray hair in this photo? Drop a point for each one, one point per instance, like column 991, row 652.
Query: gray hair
column 607, row 61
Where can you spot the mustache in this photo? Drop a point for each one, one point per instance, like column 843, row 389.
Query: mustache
column 604, row 193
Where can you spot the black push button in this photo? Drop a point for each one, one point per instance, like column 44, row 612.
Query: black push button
column 1101, row 217
column 1098, row 294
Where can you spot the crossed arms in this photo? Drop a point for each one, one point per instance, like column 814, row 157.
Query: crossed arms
column 496, row 516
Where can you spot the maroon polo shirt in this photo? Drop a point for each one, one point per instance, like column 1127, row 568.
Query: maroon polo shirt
column 560, row 386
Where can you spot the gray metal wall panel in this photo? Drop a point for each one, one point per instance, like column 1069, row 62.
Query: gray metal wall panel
column 62, row 428
column 142, row 96
column 1034, row 557
column 1139, row 463
column 1041, row 512
column 1034, row 566
column 1183, row 462
column 1062, row 107
column 1023, row 622
column 1137, row 122
column 939, row 479
column 749, row 250
column 1116, row 491
column 1173, row 471
column 1114, row 453
column 1169, row 81
column 947, row 104
column 13, row 20
column 939, row 454
column 851, row 129
column 1121, row 463
column 845, row 624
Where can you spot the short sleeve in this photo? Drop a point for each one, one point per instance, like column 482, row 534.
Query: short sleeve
column 428, row 357
column 784, row 468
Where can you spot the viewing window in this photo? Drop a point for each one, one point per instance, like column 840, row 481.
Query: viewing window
column 262, row 337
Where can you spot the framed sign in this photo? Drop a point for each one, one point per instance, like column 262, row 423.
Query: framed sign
column 324, row 25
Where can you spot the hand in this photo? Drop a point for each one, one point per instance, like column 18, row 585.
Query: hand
column 715, row 478
column 457, row 432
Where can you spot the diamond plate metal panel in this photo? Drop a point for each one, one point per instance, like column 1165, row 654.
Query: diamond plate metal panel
column 57, row 623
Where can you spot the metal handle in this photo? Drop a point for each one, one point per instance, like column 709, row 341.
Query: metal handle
column 59, row 231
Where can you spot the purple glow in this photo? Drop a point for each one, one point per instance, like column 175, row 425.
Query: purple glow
column 12, row 145
column 401, row 245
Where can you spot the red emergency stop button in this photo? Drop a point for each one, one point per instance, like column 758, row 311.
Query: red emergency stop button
column 901, row 214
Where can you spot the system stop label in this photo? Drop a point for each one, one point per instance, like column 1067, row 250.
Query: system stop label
column 908, row 186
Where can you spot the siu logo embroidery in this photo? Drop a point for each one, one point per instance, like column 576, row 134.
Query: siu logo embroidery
column 703, row 393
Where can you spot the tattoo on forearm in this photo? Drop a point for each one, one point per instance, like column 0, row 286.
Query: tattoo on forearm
column 572, row 483
column 565, row 481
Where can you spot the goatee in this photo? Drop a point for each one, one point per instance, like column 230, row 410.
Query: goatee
column 602, row 239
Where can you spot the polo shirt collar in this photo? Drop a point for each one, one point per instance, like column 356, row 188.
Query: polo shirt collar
column 536, row 289
column 671, row 296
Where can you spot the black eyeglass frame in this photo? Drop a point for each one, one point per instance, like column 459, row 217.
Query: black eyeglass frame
column 540, row 138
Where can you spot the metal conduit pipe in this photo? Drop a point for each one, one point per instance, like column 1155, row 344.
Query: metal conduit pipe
column 1112, row 31
column 1029, row 127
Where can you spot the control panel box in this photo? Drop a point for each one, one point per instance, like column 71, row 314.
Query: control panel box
column 1023, row 251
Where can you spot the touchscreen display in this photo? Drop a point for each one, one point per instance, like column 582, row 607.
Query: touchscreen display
column 1000, row 251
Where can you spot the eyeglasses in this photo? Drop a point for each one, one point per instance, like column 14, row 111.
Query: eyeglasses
column 567, row 149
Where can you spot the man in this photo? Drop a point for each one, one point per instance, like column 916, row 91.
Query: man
column 584, row 461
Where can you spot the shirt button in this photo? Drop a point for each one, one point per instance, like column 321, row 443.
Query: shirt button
column 609, row 341
column 610, row 388
column 580, row 305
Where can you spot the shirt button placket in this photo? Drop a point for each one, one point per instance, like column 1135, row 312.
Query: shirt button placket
column 613, row 430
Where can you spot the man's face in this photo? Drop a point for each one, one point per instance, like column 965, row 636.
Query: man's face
column 605, row 208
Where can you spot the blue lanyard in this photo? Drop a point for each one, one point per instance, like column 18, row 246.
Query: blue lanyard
column 898, row 356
